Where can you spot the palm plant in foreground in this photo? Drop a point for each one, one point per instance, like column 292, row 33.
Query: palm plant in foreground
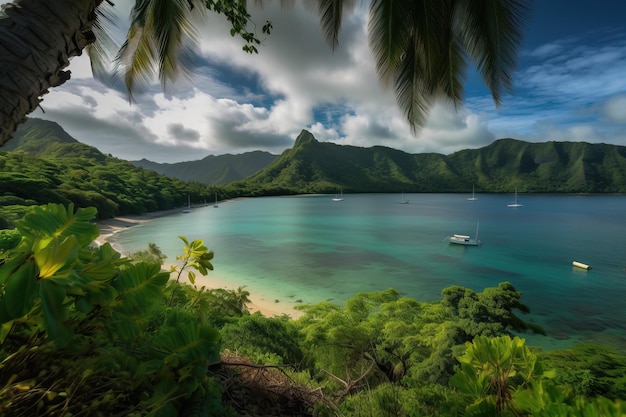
column 421, row 47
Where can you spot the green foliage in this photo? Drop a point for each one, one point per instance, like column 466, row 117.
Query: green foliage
column 95, row 328
column 397, row 400
column 9, row 239
column 590, row 369
column 215, row 307
column 370, row 336
column 382, row 337
column 195, row 255
column 271, row 341
column 58, row 171
column 152, row 254
column 320, row 167
column 490, row 313
column 491, row 370
column 502, row 377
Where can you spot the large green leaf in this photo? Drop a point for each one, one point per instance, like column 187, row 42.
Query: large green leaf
column 55, row 220
column 54, row 314
column 9, row 266
column 55, row 257
column 189, row 342
column 103, row 265
column 140, row 284
column 20, row 291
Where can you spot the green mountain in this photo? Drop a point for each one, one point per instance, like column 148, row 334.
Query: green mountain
column 213, row 170
column 311, row 166
column 43, row 164
column 319, row 167
column 39, row 137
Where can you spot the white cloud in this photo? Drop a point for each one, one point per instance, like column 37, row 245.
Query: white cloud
column 237, row 102
column 615, row 109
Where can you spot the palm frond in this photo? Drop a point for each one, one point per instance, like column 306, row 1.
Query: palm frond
column 160, row 32
column 452, row 71
column 102, row 52
column 490, row 31
column 407, row 53
column 331, row 13
column 389, row 36
column 171, row 25
column 136, row 56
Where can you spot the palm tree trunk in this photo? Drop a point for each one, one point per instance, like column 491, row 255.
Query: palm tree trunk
column 37, row 39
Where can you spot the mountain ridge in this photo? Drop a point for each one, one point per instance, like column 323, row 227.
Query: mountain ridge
column 212, row 169
column 505, row 164
column 311, row 166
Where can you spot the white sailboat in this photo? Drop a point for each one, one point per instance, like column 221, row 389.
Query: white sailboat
column 473, row 197
column 515, row 204
column 339, row 197
column 465, row 239
column 188, row 209
column 403, row 200
column 215, row 205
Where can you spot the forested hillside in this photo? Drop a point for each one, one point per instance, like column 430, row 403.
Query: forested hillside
column 552, row 167
column 48, row 166
column 311, row 166
column 213, row 170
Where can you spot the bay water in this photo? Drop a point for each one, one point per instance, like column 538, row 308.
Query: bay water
column 310, row 249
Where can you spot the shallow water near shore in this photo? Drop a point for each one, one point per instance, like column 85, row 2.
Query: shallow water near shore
column 309, row 249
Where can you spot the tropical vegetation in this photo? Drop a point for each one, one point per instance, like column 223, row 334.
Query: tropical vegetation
column 87, row 331
column 46, row 167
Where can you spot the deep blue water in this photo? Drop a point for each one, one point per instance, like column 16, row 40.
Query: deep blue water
column 312, row 249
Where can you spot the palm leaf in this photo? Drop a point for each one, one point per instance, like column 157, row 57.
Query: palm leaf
column 490, row 31
column 172, row 31
column 102, row 52
column 160, row 33
column 422, row 47
column 388, row 31
column 403, row 38
column 331, row 13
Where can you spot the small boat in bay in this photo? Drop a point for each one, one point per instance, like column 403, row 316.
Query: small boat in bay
column 402, row 200
column 473, row 197
column 514, row 204
column 188, row 209
column 465, row 239
column 339, row 197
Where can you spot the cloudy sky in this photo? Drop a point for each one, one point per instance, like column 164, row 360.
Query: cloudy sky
column 570, row 85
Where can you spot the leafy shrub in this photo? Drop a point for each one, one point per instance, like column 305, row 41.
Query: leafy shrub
column 95, row 332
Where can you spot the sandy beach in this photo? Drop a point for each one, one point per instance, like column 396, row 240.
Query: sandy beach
column 263, row 303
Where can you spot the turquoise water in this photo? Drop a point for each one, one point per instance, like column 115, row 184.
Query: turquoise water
column 312, row 249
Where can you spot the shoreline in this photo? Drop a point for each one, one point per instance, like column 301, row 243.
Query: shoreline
column 259, row 301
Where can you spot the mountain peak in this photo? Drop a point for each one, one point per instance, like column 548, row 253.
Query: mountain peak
column 304, row 138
